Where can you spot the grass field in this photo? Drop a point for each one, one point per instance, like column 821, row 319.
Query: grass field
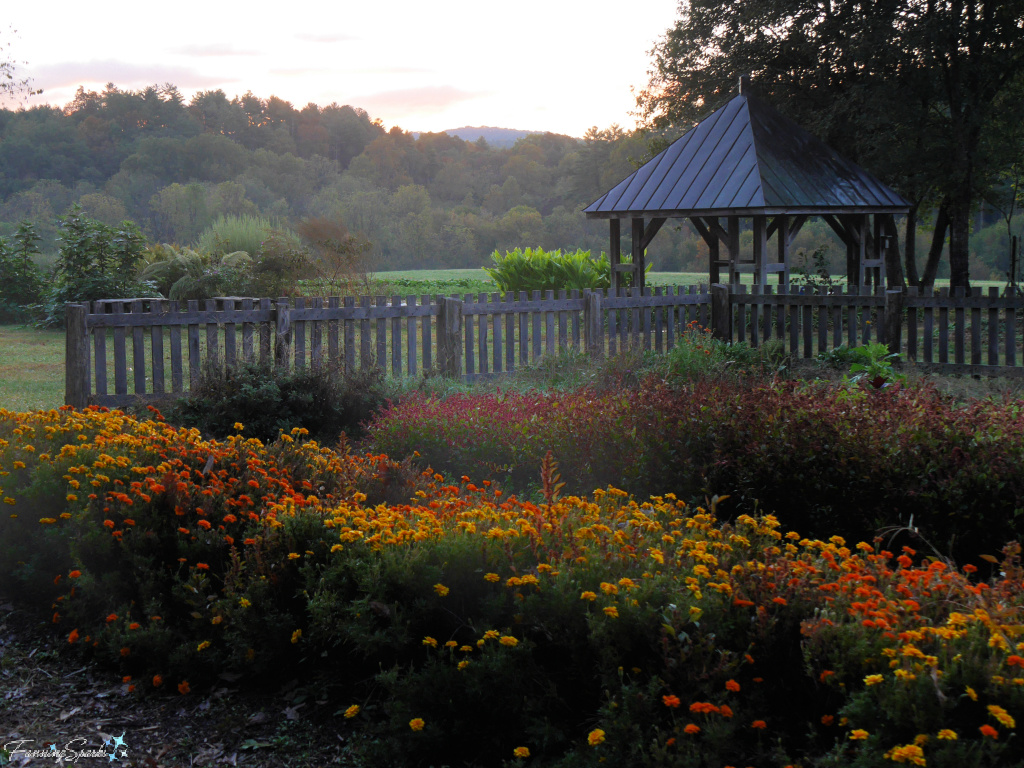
column 31, row 368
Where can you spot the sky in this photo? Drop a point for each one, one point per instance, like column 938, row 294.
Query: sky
column 538, row 65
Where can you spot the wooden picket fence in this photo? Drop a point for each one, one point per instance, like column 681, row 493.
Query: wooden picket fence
column 119, row 351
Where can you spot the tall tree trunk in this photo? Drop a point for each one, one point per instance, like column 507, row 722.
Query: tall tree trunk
column 910, row 256
column 935, row 252
column 894, row 276
column 959, row 230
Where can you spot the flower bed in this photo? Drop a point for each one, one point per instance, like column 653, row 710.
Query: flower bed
column 452, row 624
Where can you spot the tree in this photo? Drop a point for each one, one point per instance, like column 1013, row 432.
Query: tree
column 13, row 86
column 907, row 88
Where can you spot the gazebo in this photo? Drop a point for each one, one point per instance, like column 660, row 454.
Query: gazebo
column 747, row 161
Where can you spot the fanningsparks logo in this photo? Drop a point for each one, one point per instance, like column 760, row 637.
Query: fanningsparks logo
column 22, row 750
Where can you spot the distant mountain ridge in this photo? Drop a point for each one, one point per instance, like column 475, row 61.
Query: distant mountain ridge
column 495, row 137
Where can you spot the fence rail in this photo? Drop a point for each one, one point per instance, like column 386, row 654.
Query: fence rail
column 163, row 346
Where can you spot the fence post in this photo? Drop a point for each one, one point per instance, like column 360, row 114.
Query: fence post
column 76, row 356
column 721, row 313
column 283, row 340
column 893, row 325
column 593, row 324
column 449, row 337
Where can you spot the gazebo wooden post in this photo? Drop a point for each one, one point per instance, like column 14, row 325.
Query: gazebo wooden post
column 614, row 254
column 714, row 256
column 782, row 235
column 761, row 250
column 639, row 268
column 733, row 246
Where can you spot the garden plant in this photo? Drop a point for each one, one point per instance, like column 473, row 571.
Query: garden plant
column 452, row 622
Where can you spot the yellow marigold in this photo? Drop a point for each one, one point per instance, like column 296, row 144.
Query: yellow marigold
column 430, row 641
column 492, row 577
column 587, row 595
column 203, row 645
column 595, row 737
column 970, row 692
column 47, row 520
column 858, row 734
column 508, row 640
column 491, row 634
column 352, row 711
column 612, row 611
column 244, row 603
column 521, row 752
column 1000, row 714
column 441, row 589
column 463, row 664
column 294, row 555
column 947, row 734
column 296, row 635
column 239, row 427
column 417, row 723
column 907, row 753
column 609, row 589
column 873, row 679
column 450, row 644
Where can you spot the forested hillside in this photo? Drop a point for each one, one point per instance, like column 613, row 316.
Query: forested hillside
column 433, row 200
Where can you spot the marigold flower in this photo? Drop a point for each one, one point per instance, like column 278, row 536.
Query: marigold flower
column 725, row 710
column 202, row 566
column 74, row 574
column 988, row 730
column 441, row 590
column 352, row 711
column 157, row 681
column 588, row 595
column 691, row 728
column 873, row 679
column 296, row 635
column 671, row 701
column 492, row 577
column 612, row 611
column 759, row 724
column 417, row 723
column 858, row 734
column 827, row 719
column 135, row 625
column 971, row 693
column 430, row 641
column 244, row 603
column 126, row 651
column 1000, row 714
column 462, row 665
column 111, row 617
column 508, row 640
column 126, row 679
column 732, row 685
column 73, row 637
column 521, row 752
column 595, row 737
column 294, row 555
column 203, row 645
column 183, row 687
column 948, row 735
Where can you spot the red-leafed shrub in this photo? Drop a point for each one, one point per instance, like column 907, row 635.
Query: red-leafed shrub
column 825, row 458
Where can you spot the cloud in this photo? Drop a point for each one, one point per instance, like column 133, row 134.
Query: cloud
column 213, row 50
column 408, row 101
column 327, row 38
column 123, row 74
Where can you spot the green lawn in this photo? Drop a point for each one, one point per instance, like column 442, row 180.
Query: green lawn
column 31, row 368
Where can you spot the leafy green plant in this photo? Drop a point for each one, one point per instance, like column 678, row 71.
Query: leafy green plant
column 872, row 364
column 94, row 262
column 239, row 233
column 21, row 281
column 535, row 269
column 323, row 400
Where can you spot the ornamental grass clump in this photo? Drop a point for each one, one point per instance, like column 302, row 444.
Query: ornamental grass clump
column 461, row 624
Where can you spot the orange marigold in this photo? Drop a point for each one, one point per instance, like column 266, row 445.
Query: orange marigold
column 759, row 724
column 732, row 685
column 671, row 701
column 691, row 728
column 988, row 730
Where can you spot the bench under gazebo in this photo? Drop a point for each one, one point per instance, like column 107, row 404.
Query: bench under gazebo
column 747, row 161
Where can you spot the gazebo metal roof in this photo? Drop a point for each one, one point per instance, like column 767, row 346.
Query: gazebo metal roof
column 746, row 159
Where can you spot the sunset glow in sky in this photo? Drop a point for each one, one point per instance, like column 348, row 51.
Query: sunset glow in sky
column 543, row 65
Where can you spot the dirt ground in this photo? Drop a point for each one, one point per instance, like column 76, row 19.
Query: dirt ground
column 50, row 696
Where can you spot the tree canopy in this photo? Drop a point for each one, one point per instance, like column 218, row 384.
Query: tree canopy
column 914, row 90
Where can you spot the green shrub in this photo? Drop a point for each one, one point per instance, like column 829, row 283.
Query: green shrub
column 325, row 401
column 540, row 270
column 94, row 261
column 239, row 233
column 22, row 286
